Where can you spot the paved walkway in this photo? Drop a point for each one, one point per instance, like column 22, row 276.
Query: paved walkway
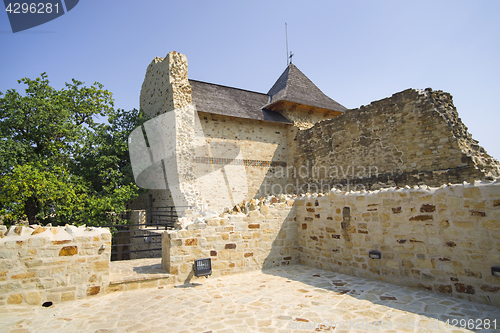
column 292, row 299
column 136, row 270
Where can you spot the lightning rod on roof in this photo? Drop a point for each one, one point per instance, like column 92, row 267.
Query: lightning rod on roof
column 288, row 56
column 286, row 38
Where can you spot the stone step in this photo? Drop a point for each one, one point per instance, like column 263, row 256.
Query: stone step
column 137, row 274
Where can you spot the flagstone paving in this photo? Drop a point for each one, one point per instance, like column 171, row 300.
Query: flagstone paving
column 291, row 299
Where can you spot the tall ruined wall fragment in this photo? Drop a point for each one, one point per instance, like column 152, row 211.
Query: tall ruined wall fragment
column 414, row 137
column 166, row 99
column 166, row 85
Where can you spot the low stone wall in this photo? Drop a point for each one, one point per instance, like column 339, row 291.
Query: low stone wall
column 236, row 242
column 439, row 239
column 40, row 264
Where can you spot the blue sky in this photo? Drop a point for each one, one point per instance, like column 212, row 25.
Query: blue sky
column 356, row 51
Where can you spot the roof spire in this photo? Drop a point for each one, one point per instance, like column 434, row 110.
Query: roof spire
column 291, row 55
column 294, row 88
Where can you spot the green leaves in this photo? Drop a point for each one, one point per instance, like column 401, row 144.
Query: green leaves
column 57, row 163
column 51, row 191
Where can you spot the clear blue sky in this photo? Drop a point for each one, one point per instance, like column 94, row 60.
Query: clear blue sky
column 355, row 51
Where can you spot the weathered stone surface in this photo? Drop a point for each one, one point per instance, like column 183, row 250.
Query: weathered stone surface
column 23, row 276
column 39, row 230
column 33, row 298
column 446, row 289
column 421, row 218
column 93, row 290
column 466, row 289
column 68, row 251
column 191, row 242
column 15, row 299
column 426, row 208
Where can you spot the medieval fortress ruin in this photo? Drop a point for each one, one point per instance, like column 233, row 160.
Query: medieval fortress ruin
column 290, row 177
column 294, row 140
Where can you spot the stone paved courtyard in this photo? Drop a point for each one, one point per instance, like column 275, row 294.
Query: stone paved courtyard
column 292, row 299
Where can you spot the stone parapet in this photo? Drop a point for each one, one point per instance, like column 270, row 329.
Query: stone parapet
column 262, row 237
column 40, row 264
column 443, row 239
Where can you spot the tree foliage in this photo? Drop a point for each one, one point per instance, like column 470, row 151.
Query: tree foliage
column 57, row 163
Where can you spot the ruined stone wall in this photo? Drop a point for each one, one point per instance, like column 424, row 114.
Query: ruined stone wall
column 264, row 237
column 166, row 86
column 414, row 137
column 439, row 239
column 40, row 264
column 166, row 99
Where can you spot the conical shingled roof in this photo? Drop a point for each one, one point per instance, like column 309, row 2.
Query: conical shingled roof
column 293, row 86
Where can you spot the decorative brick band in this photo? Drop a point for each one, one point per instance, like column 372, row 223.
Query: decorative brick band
column 231, row 161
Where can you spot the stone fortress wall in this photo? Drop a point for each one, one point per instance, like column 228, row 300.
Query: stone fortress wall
column 443, row 239
column 412, row 138
column 40, row 264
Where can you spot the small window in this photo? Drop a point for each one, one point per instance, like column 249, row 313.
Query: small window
column 346, row 214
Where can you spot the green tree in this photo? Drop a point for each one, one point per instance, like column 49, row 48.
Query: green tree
column 102, row 158
column 57, row 163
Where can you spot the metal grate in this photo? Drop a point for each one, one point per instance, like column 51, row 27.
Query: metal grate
column 166, row 216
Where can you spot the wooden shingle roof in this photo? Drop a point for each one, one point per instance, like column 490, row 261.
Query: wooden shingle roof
column 234, row 102
column 293, row 86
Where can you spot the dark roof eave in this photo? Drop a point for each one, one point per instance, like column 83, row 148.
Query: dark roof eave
column 270, row 105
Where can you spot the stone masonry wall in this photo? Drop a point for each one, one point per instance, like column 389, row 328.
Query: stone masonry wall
column 439, row 239
column 40, row 264
column 236, row 242
column 260, row 143
column 414, row 137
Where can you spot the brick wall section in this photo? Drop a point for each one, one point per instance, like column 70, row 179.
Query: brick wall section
column 265, row 238
column 443, row 240
column 414, row 137
column 40, row 264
